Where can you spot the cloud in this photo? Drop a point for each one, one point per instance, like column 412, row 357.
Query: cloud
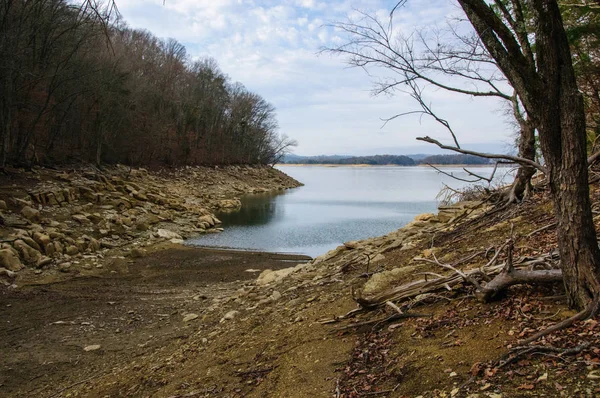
column 272, row 48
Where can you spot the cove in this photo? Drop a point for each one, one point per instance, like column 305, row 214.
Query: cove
column 336, row 205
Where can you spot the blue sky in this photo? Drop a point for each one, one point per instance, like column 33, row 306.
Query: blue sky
column 272, row 48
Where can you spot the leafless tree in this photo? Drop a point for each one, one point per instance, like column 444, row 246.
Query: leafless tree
column 452, row 59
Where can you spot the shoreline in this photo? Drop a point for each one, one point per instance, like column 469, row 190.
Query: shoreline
column 73, row 222
column 392, row 165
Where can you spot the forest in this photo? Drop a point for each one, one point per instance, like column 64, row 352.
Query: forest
column 379, row 160
column 78, row 85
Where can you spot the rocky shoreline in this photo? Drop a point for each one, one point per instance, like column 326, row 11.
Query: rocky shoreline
column 76, row 220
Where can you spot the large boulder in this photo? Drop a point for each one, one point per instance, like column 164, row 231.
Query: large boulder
column 10, row 260
column 28, row 254
column 31, row 214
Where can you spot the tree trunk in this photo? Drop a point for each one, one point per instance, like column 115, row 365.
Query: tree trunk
column 522, row 184
column 561, row 119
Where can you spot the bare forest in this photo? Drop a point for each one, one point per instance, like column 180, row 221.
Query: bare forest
column 78, row 85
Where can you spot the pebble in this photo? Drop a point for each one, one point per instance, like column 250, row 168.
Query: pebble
column 93, row 347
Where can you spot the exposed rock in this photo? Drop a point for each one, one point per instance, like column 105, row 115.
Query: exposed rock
column 383, row 280
column 230, row 315
column 72, row 250
column 80, row 218
column 269, row 276
column 28, row 253
column 9, row 260
column 42, row 239
column 165, row 233
column 43, row 261
column 229, row 204
column 190, row 317
column 8, row 273
column 30, row 242
column 31, row 214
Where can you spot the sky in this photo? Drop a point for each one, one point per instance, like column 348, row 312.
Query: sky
column 273, row 48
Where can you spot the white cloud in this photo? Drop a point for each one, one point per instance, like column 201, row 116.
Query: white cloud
column 271, row 47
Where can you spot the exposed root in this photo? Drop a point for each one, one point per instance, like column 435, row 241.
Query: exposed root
column 588, row 312
column 518, row 352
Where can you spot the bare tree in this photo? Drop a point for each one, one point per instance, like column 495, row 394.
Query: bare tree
column 449, row 59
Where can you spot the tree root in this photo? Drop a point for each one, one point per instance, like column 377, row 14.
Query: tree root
column 518, row 352
column 588, row 312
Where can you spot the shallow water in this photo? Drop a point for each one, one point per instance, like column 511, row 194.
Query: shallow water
column 336, row 204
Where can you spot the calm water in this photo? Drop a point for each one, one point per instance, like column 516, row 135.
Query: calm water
column 337, row 204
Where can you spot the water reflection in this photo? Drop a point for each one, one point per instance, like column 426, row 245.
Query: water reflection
column 336, row 204
column 257, row 209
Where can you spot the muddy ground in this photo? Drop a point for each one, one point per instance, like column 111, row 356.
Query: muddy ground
column 130, row 309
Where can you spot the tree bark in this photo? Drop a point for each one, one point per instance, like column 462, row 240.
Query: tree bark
column 522, row 184
column 561, row 119
column 549, row 92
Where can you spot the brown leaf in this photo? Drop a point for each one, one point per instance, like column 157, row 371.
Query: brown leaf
column 526, row 387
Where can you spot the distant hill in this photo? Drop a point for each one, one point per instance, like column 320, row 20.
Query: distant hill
column 380, row 160
column 336, row 159
column 454, row 159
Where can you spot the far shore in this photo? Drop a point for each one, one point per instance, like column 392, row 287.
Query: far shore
column 388, row 165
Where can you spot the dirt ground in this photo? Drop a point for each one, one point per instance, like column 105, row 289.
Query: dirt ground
column 130, row 309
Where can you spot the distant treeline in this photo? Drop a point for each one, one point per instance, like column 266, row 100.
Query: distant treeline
column 372, row 160
column 75, row 88
column 387, row 160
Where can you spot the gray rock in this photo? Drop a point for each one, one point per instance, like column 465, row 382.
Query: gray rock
column 31, row 214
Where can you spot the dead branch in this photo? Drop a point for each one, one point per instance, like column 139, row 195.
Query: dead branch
column 515, row 159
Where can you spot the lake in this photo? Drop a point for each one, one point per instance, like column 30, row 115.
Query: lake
column 336, row 205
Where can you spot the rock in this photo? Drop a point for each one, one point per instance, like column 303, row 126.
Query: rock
column 80, row 218
column 30, row 242
column 95, row 218
column 229, row 204
column 269, row 276
column 190, row 317
column 424, row 217
column 93, row 347
column 8, row 273
column 42, row 239
column 142, row 226
column 93, row 245
column 65, row 267
column 384, row 280
column 10, row 261
column 176, row 241
column 3, row 205
column 230, row 315
column 31, row 214
column 43, row 261
column 58, row 247
column 165, row 233
column 72, row 250
column 206, row 219
column 275, row 296
column 352, row 244
column 28, row 253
